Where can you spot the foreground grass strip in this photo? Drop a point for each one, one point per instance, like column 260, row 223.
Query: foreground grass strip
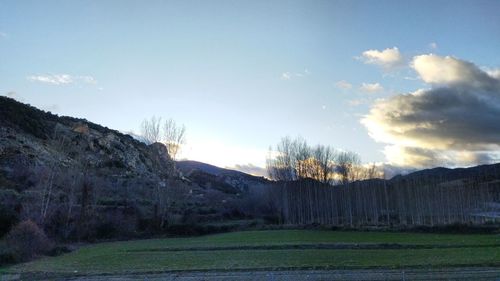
column 249, row 250
column 262, row 259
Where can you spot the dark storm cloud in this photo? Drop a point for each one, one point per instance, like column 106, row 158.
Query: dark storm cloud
column 458, row 117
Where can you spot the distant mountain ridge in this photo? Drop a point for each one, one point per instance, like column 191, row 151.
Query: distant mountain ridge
column 204, row 173
column 448, row 174
column 186, row 166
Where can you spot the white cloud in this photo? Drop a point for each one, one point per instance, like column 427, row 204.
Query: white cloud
column 88, row 79
column 371, row 87
column 286, row 76
column 410, row 78
column 61, row 79
column 357, row 102
column 343, row 85
column 495, row 72
column 55, row 79
column 387, row 58
column 293, row 75
column 433, row 45
column 455, row 122
column 448, row 70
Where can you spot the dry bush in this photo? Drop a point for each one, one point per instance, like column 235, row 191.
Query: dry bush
column 26, row 240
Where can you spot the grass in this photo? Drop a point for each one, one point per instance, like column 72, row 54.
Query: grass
column 154, row 255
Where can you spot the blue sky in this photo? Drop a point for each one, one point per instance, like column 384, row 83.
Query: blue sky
column 239, row 74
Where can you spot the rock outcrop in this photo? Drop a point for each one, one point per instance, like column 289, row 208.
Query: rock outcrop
column 29, row 136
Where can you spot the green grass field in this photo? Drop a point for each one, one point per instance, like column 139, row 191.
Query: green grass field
column 246, row 250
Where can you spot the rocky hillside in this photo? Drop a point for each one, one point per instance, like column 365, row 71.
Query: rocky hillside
column 31, row 137
column 80, row 180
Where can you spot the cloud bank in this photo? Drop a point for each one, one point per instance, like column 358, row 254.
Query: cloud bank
column 454, row 123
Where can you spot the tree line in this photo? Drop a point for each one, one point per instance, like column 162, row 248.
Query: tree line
column 321, row 185
column 294, row 159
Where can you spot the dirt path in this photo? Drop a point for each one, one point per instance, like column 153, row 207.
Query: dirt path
column 486, row 274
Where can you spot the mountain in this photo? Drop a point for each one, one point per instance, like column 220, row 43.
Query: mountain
column 441, row 174
column 186, row 166
column 229, row 180
column 81, row 180
column 31, row 137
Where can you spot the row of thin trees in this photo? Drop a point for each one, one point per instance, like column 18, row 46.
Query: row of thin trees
column 321, row 185
column 378, row 202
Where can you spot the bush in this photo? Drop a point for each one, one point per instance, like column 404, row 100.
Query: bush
column 58, row 250
column 456, row 228
column 26, row 241
column 197, row 229
column 6, row 258
column 106, row 230
column 5, row 254
column 8, row 218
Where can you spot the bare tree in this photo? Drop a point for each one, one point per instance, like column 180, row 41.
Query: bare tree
column 325, row 157
column 150, row 130
column 295, row 160
column 301, row 152
column 371, row 172
column 281, row 162
column 347, row 162
column 174, row 136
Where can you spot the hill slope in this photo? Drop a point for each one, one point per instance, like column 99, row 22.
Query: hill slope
column 29, row 136
column 81, row 180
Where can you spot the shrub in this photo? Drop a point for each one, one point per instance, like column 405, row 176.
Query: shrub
column 198, row 229
column 26, row 241
column 8, row 218
column 106, row 230
column 5, row 254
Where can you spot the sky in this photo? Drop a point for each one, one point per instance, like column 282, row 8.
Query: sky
column 408, row 83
